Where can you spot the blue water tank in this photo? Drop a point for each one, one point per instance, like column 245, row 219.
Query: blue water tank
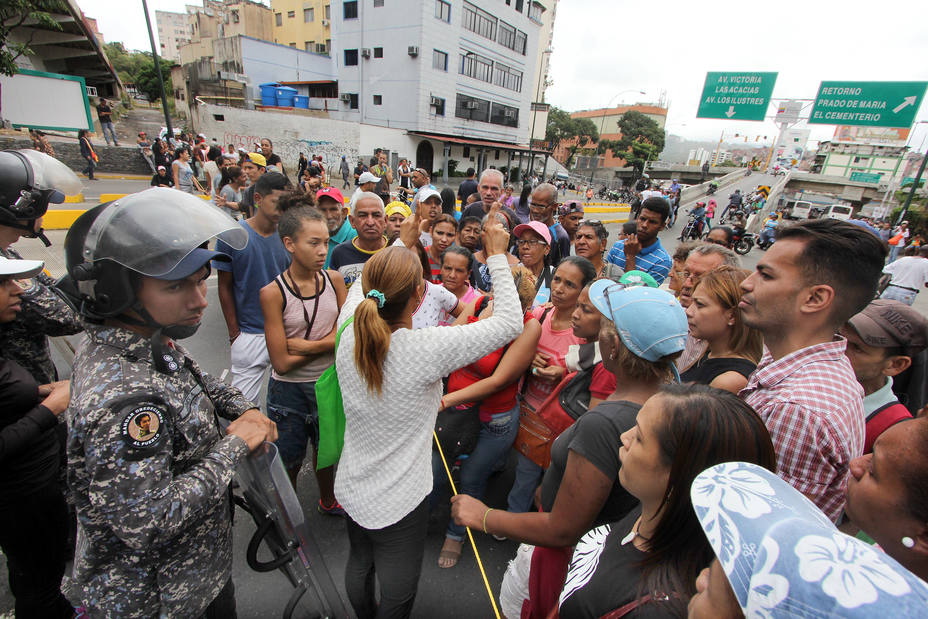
column 268, row 93
column 285, row 96
column 301, row 101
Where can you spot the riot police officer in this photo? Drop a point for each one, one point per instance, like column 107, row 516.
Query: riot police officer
column 148, row 465
column 29, row 181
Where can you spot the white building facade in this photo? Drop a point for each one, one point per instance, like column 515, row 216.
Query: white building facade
column 172, row 33
column 453, row 79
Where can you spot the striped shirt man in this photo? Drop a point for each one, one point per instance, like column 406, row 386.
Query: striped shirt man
column 652, row 259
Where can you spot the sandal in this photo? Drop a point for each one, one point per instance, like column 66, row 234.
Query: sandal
column 449, row 558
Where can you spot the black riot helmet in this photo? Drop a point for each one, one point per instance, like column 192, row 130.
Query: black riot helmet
column 29, row 181
column 160, row 232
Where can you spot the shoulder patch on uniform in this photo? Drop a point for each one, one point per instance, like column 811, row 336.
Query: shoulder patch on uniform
column 142, row 425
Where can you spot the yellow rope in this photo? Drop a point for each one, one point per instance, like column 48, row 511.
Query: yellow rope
column 470, row 536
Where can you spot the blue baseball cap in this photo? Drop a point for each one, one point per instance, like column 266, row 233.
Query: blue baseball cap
column 784, row 558
column 650, row 321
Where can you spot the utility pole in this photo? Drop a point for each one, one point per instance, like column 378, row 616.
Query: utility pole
column 154, row 56
column 908, row 198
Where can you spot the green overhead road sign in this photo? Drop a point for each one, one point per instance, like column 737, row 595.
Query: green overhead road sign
column 867, row 104
column 736, row 96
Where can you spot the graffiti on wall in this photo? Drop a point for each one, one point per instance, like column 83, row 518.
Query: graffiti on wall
column 290, row 135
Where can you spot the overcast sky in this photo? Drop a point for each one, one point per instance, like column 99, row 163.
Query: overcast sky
column 605, row 47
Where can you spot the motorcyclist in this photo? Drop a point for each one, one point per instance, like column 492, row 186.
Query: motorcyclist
column 768, row 234
column 735, row 201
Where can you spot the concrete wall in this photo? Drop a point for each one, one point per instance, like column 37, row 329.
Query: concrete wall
column 269, row 62
column 290, row 133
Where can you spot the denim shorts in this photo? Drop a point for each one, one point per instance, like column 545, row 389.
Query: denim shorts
column 292, row 406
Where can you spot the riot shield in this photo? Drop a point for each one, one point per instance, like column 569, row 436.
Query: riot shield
column 266, row 494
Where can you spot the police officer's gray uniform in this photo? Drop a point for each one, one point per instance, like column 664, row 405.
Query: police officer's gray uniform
column 153, row 511
column 148, row 466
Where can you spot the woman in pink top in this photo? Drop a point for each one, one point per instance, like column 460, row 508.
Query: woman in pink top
column 300, row 308
column 456, row 265
column 710, row 212
column 549, row 367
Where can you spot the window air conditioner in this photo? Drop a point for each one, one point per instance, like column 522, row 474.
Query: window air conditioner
column 509, row 113
column 345, row 97
column 471, row 105
column 434, row 101
column 413, row 50
column 325, row 23
column 366, row 52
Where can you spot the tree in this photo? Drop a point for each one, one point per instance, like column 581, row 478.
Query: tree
column 574, row 133
column 642, row 140
column 18, row 14
column 146, row 80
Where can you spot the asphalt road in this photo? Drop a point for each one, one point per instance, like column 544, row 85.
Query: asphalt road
column 454, row 593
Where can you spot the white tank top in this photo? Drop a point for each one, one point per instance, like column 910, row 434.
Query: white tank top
column 325, row 306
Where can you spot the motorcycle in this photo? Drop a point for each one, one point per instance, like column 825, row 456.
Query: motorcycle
column 692, row 230
column 713, row 187
column 744, row 243
column 765, row 243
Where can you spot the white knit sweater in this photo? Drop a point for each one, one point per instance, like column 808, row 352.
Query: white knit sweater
column 385, row 470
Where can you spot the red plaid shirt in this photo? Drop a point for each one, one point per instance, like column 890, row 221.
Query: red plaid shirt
column 813, row 407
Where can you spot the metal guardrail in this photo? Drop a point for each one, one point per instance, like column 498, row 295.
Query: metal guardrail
column 755, row 220
column 698, row 191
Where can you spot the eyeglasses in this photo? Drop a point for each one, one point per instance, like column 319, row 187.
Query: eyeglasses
column 529, row 242
column 535, row 206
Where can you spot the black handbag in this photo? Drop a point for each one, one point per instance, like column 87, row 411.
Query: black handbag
column 458, row 428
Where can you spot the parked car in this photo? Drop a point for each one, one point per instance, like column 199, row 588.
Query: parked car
column 838, row 211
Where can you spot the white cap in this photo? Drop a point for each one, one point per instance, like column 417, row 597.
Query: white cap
column 367, row 177
column 427, row 192
column 20, row 268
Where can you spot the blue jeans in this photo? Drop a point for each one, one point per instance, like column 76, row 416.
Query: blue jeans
column 894, row 252
column 767, row 235
column 292, row 406
column 896, row 293
column 528, row 475
column 493, row 444
column 108, row 126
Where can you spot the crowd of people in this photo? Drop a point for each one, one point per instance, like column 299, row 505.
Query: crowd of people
column 688, row 437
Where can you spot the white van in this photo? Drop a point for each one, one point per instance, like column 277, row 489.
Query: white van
column 800, row 210
column 838, row 211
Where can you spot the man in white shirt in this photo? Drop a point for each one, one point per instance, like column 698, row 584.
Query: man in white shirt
column 910, row 275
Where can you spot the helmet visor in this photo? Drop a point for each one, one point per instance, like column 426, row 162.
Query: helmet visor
column 152, row 231
column 49, row 173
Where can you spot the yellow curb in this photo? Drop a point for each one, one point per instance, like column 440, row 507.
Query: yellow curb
column 109, row 197
column 606, row 209
column 613, row 221
column 74, row 199
column 60, row 219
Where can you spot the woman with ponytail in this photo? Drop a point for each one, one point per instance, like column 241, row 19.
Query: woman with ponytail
column 390, row 378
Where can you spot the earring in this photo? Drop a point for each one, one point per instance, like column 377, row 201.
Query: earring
column 908, row 542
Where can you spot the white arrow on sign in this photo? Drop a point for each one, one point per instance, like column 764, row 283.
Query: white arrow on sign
column 731, row 109
column 905, row 102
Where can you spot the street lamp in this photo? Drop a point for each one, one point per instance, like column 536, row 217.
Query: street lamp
column 602, row 123
column 531, row 137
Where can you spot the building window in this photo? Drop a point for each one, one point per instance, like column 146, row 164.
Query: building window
column 519, row 4
column 309, row 15
column 351, row 57
column 507, row 77
column 350, row 9
column 378, row 52
column 511, row 37
column 504, row 115
column 465, row 152
column 534, row 12
column 309, row 46
column 472, row 108
column 378, row 99
column 291, row 14
column 476, row 66
column 321, row 48
column 328, row 45
column 438, row 104
column 353, row 103
column 279, row 19
column 293, row 45
column 439, row 60
column 328, row 14
column 443, row 10
column 378, row 3
column 477, row 20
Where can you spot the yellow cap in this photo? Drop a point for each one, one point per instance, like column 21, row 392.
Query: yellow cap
column 258, row 159
column 397, row 207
